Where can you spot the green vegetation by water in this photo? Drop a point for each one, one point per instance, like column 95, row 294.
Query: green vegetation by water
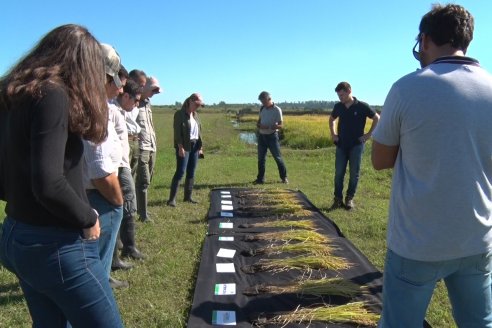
column 161, row 288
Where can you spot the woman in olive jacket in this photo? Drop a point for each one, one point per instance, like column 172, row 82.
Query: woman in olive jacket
column 188, row 146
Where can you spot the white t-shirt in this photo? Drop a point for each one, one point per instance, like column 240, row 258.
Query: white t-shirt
column 441, row 196
column 269, row 116
column 194, row 129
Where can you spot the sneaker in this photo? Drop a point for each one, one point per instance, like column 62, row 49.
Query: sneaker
column 257, row 182
column 349, row 203
column 337, row 203
column 285, row 180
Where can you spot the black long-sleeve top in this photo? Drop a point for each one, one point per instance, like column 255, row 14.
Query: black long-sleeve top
column 42, row 163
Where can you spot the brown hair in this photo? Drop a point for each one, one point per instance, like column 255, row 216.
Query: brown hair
column 448, row 24
column 71, row 58
column 345, row 86
column 188, row 100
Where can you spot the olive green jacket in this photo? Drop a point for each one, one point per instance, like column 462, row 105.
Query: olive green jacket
column 182, row 128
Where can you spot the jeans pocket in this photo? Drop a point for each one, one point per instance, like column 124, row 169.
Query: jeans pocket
column 484, row 263
column 37, row 263
column 414, row 272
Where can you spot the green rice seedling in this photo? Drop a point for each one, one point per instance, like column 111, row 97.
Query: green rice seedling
column 301, row 224
column 354, row 313
column 309, row 247
column 312, row 287
column 304, row 263
column 289, row 235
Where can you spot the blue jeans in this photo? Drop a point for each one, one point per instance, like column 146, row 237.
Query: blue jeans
column 186, row 164
column 265, row 142
column 60, row 274
column 110, row 217
column 352, row 156
column 408, row 286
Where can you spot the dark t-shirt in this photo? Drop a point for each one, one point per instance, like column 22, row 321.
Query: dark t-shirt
column 351, row 122
column 42, row 163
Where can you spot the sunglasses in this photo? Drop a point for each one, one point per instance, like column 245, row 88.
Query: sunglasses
column 416, row 54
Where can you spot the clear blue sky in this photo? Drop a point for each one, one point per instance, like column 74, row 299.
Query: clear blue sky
column 230, row 50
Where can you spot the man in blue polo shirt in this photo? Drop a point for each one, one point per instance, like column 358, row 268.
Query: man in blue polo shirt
column 349, row 138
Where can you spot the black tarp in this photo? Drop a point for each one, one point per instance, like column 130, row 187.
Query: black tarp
column 249, row 308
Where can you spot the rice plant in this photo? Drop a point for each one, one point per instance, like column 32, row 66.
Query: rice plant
column 301, row 224
column 354, row 313
column 309, row 247
column 304, row 263
column 289, row 235
column 313, row 287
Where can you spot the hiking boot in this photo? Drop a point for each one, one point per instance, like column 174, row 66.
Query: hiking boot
column 133, row 253
column 337, row 203
column 117, row 283
column 349, row 203
column 257, row 182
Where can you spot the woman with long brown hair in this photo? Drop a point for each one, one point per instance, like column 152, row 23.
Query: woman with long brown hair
column 50, row 100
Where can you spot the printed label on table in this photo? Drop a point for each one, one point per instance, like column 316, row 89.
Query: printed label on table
column 226, row 196
column 226, row 214
column 225, row 192
column 226, row 318
column 225, row 267
column 226, row 225
column 226, row 202
column 225, row 289
column 227, row 208
column 226, row 238
column 227, row 253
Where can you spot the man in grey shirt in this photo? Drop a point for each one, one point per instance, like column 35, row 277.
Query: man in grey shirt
column 435, row 134
column 269, row 123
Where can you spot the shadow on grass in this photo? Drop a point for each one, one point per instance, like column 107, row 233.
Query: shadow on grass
column 10, row 293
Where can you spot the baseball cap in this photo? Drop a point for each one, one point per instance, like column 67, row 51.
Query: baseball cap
column 153, row 85
column 112, row 63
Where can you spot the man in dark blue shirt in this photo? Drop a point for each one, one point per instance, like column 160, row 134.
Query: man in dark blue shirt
column 349, row 138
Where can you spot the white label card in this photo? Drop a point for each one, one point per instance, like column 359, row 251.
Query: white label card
column 225, row 318
column 226, row 225
column 226, row 214
column 227, row 253
column 226, row 196
column 227, row 208
column 225, row 289
column 226, row 238
column 226, row 202
column 225, row 267
column 225, row 192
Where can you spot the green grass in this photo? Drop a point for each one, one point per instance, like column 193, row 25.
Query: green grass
column 161, row 289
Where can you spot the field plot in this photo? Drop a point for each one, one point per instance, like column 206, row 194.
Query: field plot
column 161, row 287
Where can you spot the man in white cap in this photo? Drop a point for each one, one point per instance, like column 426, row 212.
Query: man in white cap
column 102, row 161
column 148, row 147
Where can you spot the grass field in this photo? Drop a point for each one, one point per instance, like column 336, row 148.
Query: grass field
column 161, row 288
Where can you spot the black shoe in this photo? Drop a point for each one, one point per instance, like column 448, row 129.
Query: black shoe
column 133, row 253
column 191, row 200
column 285, row 180
column 145, row 220
column 121, row 265
column 257, row 182
column 337, row 203
column 171, row 203
column 117, row 283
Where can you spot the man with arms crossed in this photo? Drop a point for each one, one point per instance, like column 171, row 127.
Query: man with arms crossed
column 435, row 134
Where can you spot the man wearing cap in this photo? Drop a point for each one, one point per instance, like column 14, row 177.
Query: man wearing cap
column 269, row 123
column 349, row 138
column 102, row 161
column 147, row 146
